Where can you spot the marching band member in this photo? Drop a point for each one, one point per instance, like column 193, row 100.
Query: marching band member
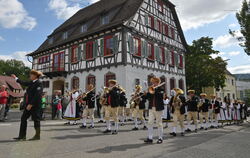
column 192, row 109
column 216, row 106
column 156, row 107
column 112, row 108
column 103, row 102
column 166, row 116
column 204, row 110
column 139, row 107
column 90, row 106
column 122, row 105
column 177, row 104
column 72, row 110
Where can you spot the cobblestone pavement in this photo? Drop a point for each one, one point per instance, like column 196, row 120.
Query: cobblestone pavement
column 60, row 141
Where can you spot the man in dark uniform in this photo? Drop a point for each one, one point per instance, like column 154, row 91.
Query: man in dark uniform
column 156, row 107
column 205, row 104
column 33, row 103
column 122, row 105
column 192, row 104
column 90, row 106
column 111, row 111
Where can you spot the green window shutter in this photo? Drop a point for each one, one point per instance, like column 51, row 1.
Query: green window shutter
column 157, row 53
column 146, row 20
column 70, row 54
column 176, row 59
column 143, row 48
column 167, row 56
column 95, row 49
column 102, row 47
column 79, row 53
column 84, row 52
column 116, row 44
column 131, row 45
column 146, row 48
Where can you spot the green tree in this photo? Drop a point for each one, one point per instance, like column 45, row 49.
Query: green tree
column 16, row 67
column 201, row 69
column 243, row 17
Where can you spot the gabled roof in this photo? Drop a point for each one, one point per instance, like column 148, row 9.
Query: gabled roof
column 124, row 10
column 119, row 10
column 11, row 85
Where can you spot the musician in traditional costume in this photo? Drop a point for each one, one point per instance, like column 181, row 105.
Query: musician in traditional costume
column 122, row 105
column 88, row 111
column 166, row 116
column 72, row 111
column 177, row 104
column 215, row 105
column 104, row 103
column 192, row 104
column 156, row 107
column 204, row 107
column 111, row 111
column 139, row 100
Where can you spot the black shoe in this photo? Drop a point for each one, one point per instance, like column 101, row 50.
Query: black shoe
column 19, row 139
column 74, row 123
column 135, row 129
column 67, row 123
column 201, row 128
column 145, row 128
column 83, row 126
column 90, row 127
column 159, row 141
column 212, row 126
column 173, row 134
column 195, row 130
column 101, row 121
column 107, row 131
column 35, row 138
column 122, row 124
column 2, row 120
column 130, row 120
column 148, row 141
column 188, row 130
column 115, row 132
column 205, row 128
column 182, row 134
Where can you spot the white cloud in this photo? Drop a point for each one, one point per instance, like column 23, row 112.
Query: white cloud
column 225, row 41
column 1, row 38
column 62, row 8
column 13, row 15
column 19, row 55
column 234, row 53
column 240, row 69
column 197, row 13
column 218, row 55
column 232, row 25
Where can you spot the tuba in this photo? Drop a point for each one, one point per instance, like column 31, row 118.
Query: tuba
column 177, row 103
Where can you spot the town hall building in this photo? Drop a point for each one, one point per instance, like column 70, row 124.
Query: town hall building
column 127, row 40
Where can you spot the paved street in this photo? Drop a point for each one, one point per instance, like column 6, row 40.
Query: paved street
column 63, row 141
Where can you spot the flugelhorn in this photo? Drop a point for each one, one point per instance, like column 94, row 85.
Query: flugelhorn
column 151, row 89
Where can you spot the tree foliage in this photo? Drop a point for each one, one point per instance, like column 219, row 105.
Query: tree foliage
column 201, row 69
column 243, row 17
column 16, row 67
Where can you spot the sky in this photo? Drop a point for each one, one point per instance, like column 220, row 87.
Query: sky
column 25, row 24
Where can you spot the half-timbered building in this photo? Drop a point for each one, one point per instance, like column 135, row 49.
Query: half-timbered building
column 126, row 40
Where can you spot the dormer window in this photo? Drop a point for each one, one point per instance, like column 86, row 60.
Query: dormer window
column 51, row 39
column 105, row 19
column 84, row 28
column 65, row 35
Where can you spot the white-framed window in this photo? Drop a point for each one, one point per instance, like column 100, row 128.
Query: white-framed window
column 105, row 19
column 65, row 35
column 84, row 28
column 51, row 40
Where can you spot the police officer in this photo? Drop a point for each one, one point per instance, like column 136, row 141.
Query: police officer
column 33, row 101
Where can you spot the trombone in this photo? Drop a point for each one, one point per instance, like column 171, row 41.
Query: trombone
column 84, row 95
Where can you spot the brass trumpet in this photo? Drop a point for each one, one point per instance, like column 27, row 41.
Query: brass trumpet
column 84, row 95
column 151, row 89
